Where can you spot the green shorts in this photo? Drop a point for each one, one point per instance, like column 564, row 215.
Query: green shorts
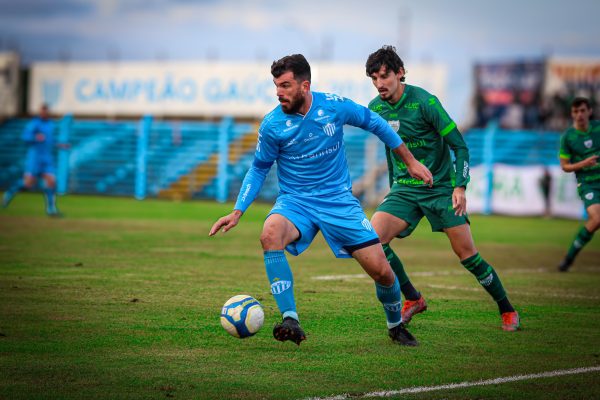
column 413, row 203
column 589, row 193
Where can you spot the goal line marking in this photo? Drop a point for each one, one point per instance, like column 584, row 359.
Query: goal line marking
column 495, row 381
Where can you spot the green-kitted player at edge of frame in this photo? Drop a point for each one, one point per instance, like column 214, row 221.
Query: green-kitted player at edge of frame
column 429, row 133
column 579, row 151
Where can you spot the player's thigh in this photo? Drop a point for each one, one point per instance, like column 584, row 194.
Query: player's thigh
column 387, row 225
column 403, row 206
column 29, row 180
column 372, row 259
column 278, row 231
column 461, row 241
column 438, row 209
column 593, row 222
column 50, row 180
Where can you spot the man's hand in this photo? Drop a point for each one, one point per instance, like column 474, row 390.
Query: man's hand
column 226, row 223
column 420, row 171
column 414, row 167
column 459, row 201
column 589, row 162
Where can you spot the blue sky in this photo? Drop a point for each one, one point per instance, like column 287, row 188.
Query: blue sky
column 455, row 33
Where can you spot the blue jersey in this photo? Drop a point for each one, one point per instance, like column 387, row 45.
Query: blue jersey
column 309, row 149
column 40, row 151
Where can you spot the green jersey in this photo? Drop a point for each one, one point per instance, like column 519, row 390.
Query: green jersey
column 576, row 145
column 429, row 133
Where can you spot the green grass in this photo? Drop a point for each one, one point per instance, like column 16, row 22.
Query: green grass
column 121, row 299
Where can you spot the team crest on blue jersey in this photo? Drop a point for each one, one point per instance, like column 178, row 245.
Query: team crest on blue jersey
column 588, row 144
column 395, row 125
column 329, row 129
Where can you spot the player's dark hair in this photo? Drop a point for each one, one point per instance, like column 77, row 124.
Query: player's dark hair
column 295, row 63
column 577, row 101
column 384, row 56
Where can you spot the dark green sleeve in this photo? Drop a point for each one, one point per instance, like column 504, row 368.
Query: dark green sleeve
column 461, row 152
column 390, row 165
column 565, row 151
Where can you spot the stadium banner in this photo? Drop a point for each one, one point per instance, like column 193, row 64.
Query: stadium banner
column 566, row 78
column 519, row 191
column 9, row 84
column 509, row 92
column 193, row 89
column 564, row 200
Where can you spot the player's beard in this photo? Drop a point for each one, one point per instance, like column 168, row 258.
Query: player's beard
column 294, row 104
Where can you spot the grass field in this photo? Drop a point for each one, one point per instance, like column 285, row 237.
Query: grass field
column 121, row 299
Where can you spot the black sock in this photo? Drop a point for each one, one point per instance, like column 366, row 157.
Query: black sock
column 505, row 306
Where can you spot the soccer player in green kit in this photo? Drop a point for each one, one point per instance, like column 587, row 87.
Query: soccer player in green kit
column 579, row 151
column 429, row 133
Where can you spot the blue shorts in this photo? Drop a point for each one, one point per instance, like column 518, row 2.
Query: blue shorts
column 339, row 217
column 36, row 166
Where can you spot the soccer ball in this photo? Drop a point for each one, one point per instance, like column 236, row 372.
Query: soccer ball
column 242, row 316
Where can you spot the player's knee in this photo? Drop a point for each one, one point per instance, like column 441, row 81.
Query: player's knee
column 594, row 223
column 270, row 240
column 383, row 275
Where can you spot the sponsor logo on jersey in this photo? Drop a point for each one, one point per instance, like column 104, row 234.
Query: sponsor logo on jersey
column 291, row 142
column 589, row 196
column 465, row 169
column 487, row 281
column 334, row 97
column 395, row 124
column 412, row 106
column 367, row 225
column 329, row 150
column 311, row 137
column 588, row 144
column 280, row 286
column 248, row 187
column 258, row 142
column 393, row 307
column 290, row 127
column 329, row 129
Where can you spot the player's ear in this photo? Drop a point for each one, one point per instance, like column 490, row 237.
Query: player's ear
column 306, row 86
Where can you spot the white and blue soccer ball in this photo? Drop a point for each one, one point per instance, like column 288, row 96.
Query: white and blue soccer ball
column 242, row 316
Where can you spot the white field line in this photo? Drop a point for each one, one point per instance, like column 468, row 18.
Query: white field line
column 487, row 382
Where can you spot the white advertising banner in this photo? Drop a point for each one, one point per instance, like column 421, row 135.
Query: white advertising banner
column 9, row 84
column 564, row 199
column 200, row 89
column 477, row 190
column 518, row 190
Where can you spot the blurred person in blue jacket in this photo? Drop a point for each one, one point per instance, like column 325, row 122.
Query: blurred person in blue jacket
column 39, row 163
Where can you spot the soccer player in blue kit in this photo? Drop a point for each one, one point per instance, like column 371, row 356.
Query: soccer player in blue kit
column 304, row 135
column 39, row 136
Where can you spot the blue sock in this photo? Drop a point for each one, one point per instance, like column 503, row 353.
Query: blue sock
column 12, row 192
column 282, row 282
column 389, row 296
column 50, row 195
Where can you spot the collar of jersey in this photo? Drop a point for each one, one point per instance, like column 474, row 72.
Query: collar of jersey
column 399, row 103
